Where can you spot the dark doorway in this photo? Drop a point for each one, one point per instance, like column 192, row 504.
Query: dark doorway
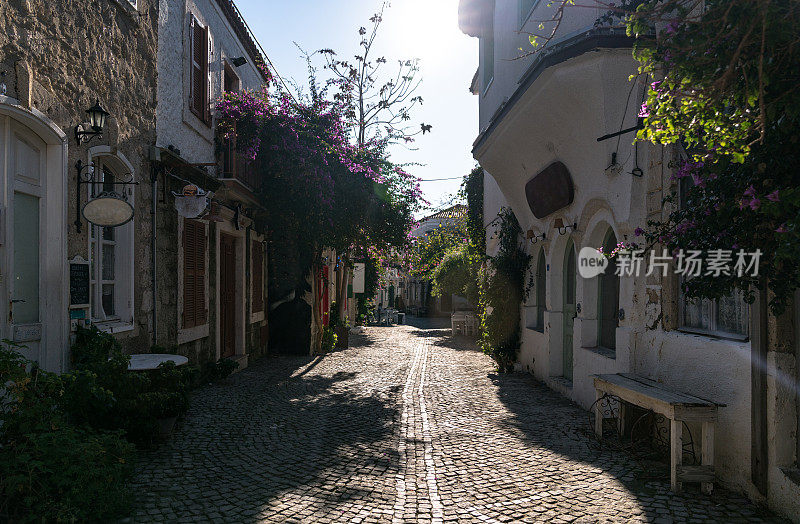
column 227, row 294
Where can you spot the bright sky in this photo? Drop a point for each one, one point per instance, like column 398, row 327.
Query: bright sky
column 424, row 29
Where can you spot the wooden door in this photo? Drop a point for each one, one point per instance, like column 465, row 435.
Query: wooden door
column 227, row 294
column 608, row 299
column 569, row 308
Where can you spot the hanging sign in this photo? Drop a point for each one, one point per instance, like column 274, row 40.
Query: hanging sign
column 191, row 202
column 359, row 275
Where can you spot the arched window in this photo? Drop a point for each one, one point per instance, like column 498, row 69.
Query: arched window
column 608, row 299
column 541, row 290
column 111, row 256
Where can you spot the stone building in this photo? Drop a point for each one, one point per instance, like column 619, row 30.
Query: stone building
column 56, row 60
column 542, row 122
column 211, row 273
column 195, row 287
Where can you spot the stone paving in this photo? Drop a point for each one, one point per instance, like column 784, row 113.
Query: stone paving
column 407, row 425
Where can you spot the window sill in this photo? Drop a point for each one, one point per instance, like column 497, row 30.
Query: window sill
column 718, row 336
column 126, row 6
column 602, row 351
column 488, row 85
column 113, row 327
column 191, row 334
column 537, row 329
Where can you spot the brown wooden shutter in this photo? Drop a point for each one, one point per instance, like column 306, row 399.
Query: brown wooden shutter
column 188, row 275
column 201, row 313
column 194, row 273
column 258, row 276
column 198, row 91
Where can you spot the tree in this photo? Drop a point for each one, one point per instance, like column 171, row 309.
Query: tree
column 316, row 188
column 377, row 110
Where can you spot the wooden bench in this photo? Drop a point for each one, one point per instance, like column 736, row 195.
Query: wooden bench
column 675, row 406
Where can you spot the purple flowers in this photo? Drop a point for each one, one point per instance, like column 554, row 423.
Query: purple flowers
column 644, row 112
column 773, row 197
column 638, row 232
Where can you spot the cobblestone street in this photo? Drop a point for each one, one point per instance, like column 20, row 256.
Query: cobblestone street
column 407, row 425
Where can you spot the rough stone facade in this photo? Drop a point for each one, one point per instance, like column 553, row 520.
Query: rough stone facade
column 58, row 57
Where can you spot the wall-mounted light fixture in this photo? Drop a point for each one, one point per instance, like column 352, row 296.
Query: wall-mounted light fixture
column 564, row 228
column 97, row 121
column 533, row 237
column 239, row 61
column 106, row 209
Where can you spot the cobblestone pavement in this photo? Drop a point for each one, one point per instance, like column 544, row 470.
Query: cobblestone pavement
column 407, row 425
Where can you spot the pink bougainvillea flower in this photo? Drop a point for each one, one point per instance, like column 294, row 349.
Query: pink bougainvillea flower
column 644, row 112
column 773, row 197
column 782, row 229
column 755, row 204
column 638, row 231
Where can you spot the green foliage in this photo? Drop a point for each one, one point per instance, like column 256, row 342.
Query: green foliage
column 103, row 394
column 728, row 92
column 428, row 251
column 457, row 274
column 502, row 289
column 328, row 339
column 52, row 469
column 472, row 190
column 219, row 370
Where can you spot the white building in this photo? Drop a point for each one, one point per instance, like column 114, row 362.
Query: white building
column 540, row 120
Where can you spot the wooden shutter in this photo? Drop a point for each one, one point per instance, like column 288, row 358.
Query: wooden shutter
column 194, row 273
column 258, row 276
column 198, row 90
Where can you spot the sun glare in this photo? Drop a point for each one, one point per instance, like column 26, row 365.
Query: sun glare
column 423, row 29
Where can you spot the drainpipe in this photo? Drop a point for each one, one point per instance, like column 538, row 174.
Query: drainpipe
column 154, row 197
column 758, row 389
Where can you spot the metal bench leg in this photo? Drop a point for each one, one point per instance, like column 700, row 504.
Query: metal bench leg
column 676, row 453
column 598, row 415
column 708, row 453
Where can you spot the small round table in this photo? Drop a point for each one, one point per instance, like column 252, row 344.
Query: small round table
column 147, row 361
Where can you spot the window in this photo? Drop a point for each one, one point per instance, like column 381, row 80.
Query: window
column 199, row 87
column 525, row 8
column 194, row 273
column 231, row 80
column 257, row 272
column 110, row 258
column 727, row 316
column 608, row 299
column 541, row 283
column 487, row 51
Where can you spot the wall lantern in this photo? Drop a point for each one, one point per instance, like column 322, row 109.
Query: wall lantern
column 97, row 121
column 533, row 237
column 239, row 61
column 106, row 209
column 564, row 228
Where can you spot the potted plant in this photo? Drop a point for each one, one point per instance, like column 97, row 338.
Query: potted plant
column 165, row 407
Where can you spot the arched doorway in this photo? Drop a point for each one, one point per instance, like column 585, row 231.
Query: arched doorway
column 608, row 299
column 569, row 310
column 33, row 263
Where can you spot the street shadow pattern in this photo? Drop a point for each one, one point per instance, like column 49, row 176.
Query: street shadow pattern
column 288, row 439
column 532, row 452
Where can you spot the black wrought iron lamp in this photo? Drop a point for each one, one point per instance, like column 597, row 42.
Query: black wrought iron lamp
column 106, row 209
column 564, row 228
column 97, row 121
column 534, row 238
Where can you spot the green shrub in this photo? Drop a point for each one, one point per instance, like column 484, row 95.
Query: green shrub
column 102, row 393
column 219, row 370
column 54, row 470
column 328, row 339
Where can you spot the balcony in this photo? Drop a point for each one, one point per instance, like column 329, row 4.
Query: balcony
column 236, row 167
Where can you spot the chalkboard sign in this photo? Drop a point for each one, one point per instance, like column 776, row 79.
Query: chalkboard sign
column 78, row 284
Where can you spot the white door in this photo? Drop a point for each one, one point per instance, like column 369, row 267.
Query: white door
column 22, row 187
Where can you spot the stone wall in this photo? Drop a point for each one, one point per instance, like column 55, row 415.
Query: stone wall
column 59, row 56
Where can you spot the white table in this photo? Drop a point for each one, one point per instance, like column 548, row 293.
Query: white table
column 147, row 361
